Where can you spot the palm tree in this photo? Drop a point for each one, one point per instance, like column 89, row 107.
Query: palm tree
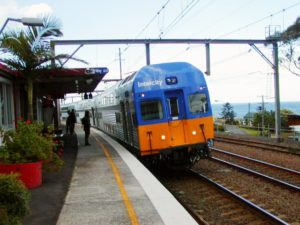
column 28, row 51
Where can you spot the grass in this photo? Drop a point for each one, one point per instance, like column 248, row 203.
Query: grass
column 251, row 131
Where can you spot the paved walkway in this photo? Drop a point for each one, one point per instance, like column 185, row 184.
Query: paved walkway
column 233, row 129
column 87, row 191
column 111, row 187
column 48, row 199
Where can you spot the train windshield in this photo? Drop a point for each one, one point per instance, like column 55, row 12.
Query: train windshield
column 198, row 103
column 151, row 110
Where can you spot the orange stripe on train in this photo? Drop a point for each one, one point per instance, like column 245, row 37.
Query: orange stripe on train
column 161, row 136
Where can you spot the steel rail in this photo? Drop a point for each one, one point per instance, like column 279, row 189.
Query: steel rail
column 240, row 198
column 250, row 143
column 274, row 180
column 256, row 160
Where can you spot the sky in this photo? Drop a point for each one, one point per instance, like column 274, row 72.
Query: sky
column 238, row 73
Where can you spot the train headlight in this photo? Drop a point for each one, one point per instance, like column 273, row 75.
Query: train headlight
column 163, row 137
column 194, row 132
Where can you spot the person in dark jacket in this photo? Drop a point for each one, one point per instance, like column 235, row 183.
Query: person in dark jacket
column 72, row 121
column 68, row 122
column 86, row 126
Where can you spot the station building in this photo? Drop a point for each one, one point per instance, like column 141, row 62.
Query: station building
column 55, row 83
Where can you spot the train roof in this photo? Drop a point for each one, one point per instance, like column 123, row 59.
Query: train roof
column 167, row 76
column 151, row 78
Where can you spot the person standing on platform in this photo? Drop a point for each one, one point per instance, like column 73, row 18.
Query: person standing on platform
column 86, row 126
column 68, row 123
column 72, row 121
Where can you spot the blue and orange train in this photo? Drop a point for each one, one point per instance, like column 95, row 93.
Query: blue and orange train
column 162, row 112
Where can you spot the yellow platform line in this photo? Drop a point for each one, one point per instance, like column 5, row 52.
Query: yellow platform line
column 127, row 202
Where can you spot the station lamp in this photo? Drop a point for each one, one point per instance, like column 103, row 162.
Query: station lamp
column 27, row 21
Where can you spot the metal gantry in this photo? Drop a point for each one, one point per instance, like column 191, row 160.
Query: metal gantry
column 207, row 43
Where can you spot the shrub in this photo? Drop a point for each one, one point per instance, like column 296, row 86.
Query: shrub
column 219, row 127
column 14, row 200
column 28, row 144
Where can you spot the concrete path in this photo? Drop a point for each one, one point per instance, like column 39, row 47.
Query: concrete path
column 110, row 186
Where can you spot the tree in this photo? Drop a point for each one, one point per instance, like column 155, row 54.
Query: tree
column 28, row 51
column 269, row 118
column 227, row 113
column 291, row 41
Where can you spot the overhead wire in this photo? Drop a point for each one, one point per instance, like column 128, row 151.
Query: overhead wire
column 179, row 17
column 258, row 21
column 202, row 8
column 179, row 53
column 234, row 76
column 143, row 29
column 153, row 18
column 224, row 17
column 187, row 9
column 231, row 58
column 246, row 26
column 149, row 23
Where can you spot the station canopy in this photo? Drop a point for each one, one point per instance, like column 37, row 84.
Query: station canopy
column 58, row 82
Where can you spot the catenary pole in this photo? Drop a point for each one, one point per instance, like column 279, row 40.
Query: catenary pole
column 206, row 42
column 277, row 95
column 120, row 63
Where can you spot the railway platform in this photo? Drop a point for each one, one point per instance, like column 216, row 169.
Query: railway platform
column 110, row 186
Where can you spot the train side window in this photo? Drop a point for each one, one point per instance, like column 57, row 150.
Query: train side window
column 151, row 110
column 198, row 103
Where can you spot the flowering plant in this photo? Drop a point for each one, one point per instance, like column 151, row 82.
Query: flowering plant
column 26, row 144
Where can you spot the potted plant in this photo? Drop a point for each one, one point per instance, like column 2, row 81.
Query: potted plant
column 23, row 151
column 14, row 200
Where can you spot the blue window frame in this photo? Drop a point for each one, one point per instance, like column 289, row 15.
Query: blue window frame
column 151, row 110
column 198, row 103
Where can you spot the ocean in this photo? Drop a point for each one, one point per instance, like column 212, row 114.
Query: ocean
column 241, row 109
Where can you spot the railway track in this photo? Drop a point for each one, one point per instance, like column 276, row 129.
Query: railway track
column 272, row 218
column 257, row 192
column 259, row 144
column 285, row 177
column 209, row 200
column 276, row 197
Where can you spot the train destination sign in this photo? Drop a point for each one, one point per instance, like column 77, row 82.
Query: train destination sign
column 97, row 70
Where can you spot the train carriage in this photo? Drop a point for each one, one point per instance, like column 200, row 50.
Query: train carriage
column 162, row 111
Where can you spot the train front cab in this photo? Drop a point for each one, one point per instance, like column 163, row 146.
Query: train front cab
column 175, row 123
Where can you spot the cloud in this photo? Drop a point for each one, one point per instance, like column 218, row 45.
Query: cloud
column 37, row 10
column 10, row 8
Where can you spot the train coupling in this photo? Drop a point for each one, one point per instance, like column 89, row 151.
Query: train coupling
column 210, row 142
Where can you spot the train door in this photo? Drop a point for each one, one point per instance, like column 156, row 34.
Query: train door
column 93, row 116
column 129, row 123
column 176, row 114
column 124, row 121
